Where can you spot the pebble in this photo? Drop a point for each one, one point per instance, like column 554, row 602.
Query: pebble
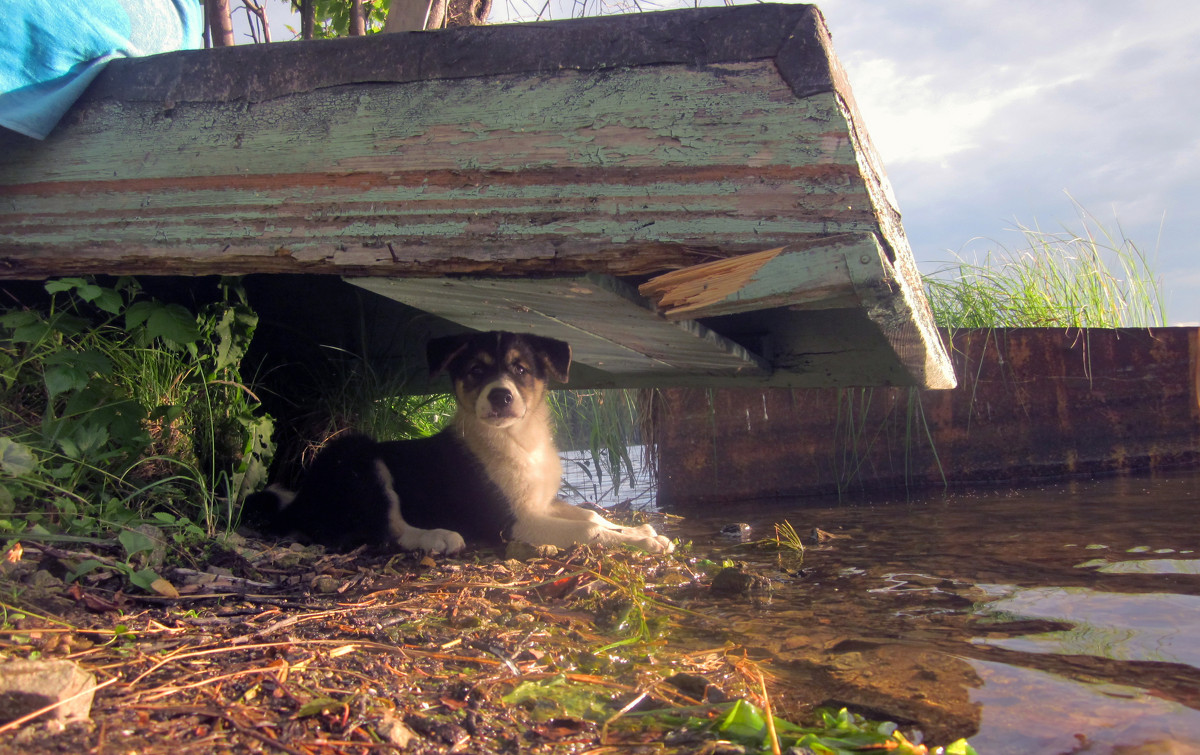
column 736, row 531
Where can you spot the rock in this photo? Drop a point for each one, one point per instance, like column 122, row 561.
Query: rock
column 153, row 557
column 446, row 732
column 326, row 584
column 394, row 731
column 43, row 580
column 26, row 686
column 733, row 581
column 521, row 551
column 736, row 531
column 698, row 687
column 821, row 536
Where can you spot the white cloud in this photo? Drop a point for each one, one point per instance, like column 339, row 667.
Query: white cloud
column 986, row 112
column 910, row 119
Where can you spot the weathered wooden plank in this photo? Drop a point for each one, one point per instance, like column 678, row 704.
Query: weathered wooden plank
column 609, row 327
column 423, row 153
column 622, row 146
column 438, row 177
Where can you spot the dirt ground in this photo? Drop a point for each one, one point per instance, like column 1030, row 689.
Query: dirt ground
column 260, row 646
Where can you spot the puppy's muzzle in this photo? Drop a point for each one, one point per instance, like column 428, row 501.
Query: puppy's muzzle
column 501, row 404
column 500, row 399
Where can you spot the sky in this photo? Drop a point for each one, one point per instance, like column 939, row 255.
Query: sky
column 991, row 115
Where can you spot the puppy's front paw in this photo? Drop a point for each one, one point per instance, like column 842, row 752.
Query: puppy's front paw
column 649, row 540
column 432, row 541
column 646, row 538
column 444, row 541
column 656, row 544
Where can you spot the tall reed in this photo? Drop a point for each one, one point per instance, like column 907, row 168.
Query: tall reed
column 605, row 423
column 1090, row 278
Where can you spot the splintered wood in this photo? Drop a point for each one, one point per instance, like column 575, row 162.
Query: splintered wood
column 845, row 271
column 680, row 292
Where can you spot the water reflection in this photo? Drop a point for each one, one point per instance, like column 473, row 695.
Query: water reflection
column 1125, row 627
column 1028, row 711
column 1152, row 566
column 1043, row 620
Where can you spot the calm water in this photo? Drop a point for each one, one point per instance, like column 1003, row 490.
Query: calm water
column 1055, row 619
column 583, row 484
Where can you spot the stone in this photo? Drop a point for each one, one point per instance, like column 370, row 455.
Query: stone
column 521, row 551
column 394, row 732
column 734, row 581
column 26, row 686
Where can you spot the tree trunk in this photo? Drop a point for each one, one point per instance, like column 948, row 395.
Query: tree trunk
column 308, row 18
column 220, row 23
column 358, row 20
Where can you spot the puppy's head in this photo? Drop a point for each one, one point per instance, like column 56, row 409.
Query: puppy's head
column 499, row 376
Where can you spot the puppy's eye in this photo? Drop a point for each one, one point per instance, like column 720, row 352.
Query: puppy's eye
column 477, row 369
column 519, row 368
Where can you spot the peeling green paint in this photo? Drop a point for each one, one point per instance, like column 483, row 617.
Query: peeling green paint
column 663, row 116
column 711, row 156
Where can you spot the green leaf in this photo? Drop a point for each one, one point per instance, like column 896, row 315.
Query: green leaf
column 173, row 323
column 743, row 722
column 145, row 579
column 86, row 360
column 318, row 706
column 20, row 318
column 85, row 438
column 16, row 459
column 138, row 313
column 110, row 301
column 64, row 284
column 32, row 331
column 136, row 542
column 61, row 378
column 89, row 291
column 84, row 567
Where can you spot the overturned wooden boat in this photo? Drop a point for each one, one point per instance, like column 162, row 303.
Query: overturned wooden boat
column 688, row 197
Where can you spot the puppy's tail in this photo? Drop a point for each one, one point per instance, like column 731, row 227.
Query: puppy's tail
column 268, row 509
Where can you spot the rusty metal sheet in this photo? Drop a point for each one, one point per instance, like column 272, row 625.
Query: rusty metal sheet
column 1034, row 403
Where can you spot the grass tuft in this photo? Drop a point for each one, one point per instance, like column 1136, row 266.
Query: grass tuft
column 1091, row 278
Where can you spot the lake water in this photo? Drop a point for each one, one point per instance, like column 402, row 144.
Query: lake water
column 582, row 483
column 1061, row 618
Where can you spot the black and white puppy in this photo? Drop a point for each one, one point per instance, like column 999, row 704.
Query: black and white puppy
column 491, row 475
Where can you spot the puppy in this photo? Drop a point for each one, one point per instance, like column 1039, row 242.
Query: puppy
column 492, row 475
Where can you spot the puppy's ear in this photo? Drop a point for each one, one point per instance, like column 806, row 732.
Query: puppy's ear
column 555, row 355
column 440, row 352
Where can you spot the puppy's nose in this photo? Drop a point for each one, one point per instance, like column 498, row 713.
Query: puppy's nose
column 500, row 397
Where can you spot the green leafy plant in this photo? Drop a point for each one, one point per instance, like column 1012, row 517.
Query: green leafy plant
column 836, row 732
column 333, row 17
column 116, row 406
column 348, row 393
column 786, row 538
column 627, row 611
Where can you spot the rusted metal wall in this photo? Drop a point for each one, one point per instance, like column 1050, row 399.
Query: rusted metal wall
column 1030, row 403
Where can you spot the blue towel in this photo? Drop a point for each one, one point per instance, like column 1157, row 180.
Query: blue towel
column 51, row 51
